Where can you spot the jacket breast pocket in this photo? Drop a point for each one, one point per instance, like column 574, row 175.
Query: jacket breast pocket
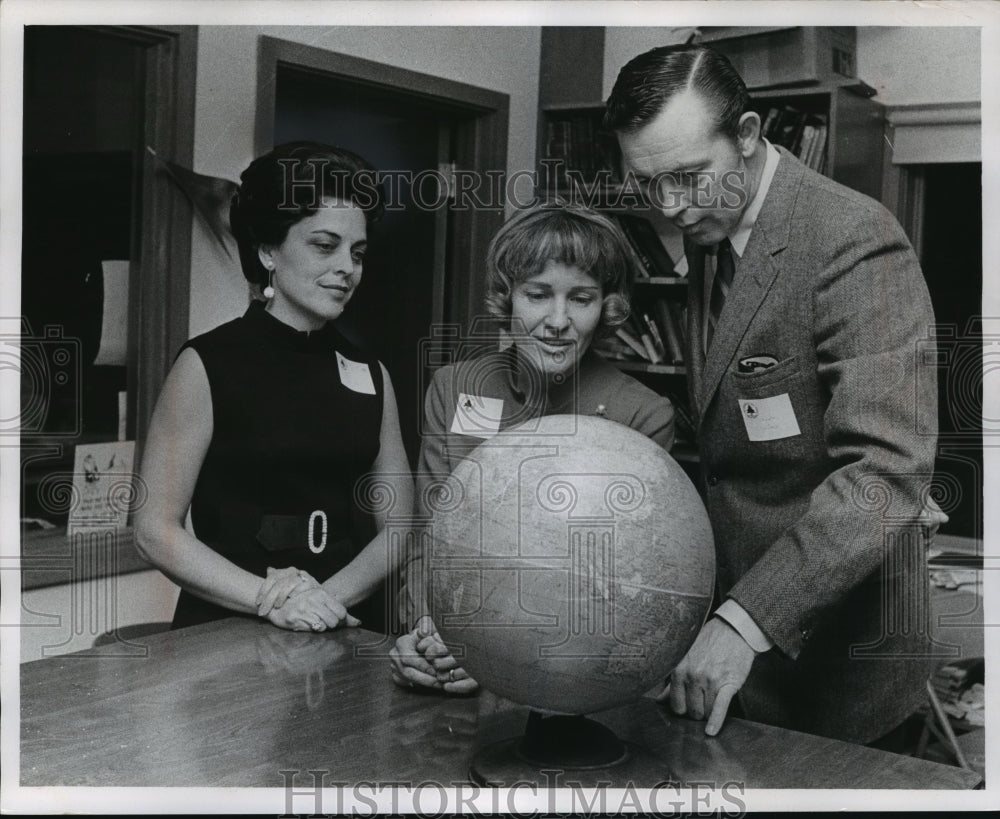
column 769, row 404
column 765, row 382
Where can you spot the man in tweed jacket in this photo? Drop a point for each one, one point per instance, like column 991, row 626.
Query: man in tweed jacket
column 816, row 437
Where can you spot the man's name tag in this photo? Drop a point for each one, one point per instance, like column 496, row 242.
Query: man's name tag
column 478, row 416
column 768, row 419
column 355, row 375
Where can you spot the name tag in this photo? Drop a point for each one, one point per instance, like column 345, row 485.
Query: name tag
column 477, row 416
column 355, row 375
column 768, row 419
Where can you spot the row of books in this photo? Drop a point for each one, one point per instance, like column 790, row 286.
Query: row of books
column 576, row 141
column 646, row 340
column 653, row 334
column 802, row 133
column 651, row 257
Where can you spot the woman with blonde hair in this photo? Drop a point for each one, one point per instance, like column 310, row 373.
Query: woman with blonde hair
column 558, row 276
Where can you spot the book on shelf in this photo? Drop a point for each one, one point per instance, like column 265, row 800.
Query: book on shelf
column 673, row 242
column 637, row 327
column 810, row 150
column 817, row 156
column 670, row 331
column 790, row 128
column 651, row 352
column 806, row 143
column 768, row 123
column 654, row 333
column 576, row 141
column 633, row 343
column 615, row 349
column 646, row 243
column 678, row 311
column 801, row 133
column 555, row 147
column 639, row 265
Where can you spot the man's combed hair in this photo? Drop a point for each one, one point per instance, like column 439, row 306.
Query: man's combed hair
column 563, row 233
column 648, row 82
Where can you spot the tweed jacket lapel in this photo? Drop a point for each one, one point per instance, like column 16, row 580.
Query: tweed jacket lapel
column 756, row 271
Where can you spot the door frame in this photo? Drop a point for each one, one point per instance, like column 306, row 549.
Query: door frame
column 924, row 134
column 160, row 269
column 480, row 144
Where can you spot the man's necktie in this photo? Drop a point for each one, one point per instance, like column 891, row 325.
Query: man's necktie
column 724, row 272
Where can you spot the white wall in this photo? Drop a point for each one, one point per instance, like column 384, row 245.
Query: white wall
column 622, row 44
column 69, row 617
column 905, row 64
column 920, row 65
column 498, row 59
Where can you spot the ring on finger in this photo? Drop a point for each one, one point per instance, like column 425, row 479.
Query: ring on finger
column 317, row 626
column 451, row 675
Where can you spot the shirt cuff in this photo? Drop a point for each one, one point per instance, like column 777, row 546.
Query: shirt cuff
column 734, row 614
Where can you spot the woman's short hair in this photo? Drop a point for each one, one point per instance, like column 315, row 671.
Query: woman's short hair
column 564, row 233
column 288, row 184
column 648, row 82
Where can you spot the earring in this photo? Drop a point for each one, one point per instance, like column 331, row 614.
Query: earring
column 268, row 291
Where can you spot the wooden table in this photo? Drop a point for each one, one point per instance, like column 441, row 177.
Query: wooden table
column 234, row 703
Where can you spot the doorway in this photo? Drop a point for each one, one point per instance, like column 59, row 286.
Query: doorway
column 105, row 241
column 950, row 242
column 424, row 264
column 405, row 270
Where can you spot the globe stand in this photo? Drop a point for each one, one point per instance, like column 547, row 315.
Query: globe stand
column 560, row 751
column 569, row 742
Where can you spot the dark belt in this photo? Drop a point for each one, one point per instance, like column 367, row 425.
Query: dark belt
column 310, row 533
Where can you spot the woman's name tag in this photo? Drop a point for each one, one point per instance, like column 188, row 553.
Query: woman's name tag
column 477, row 416
column 355, row 375
column 768, row 419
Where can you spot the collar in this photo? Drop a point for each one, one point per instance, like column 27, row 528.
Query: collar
column 529, row 387
column 264, row 324
column 739, row 237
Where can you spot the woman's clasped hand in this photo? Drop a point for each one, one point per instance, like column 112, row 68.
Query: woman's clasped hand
column 293, row 599
column 420, row 658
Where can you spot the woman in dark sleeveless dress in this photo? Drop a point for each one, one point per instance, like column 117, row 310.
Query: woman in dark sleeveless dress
column 269, row 426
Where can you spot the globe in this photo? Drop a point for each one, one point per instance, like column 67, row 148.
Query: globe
column 572, row 564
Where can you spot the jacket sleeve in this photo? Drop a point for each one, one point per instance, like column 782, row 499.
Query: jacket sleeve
column 433, row 467
column 654, row 418
column 870, row 309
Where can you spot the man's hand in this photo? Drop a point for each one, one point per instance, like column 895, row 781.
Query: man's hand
column 713, row 670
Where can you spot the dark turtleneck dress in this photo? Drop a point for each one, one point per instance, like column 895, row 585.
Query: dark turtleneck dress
column 291, row 438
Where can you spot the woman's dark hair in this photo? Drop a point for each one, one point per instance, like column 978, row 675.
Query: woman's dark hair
column 648, row 82
column 565, row 233
column 289, row 183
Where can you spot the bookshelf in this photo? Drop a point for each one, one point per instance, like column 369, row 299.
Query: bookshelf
column 578, row 161
column 851, row 152
column 573, row 150
column 659, row 309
